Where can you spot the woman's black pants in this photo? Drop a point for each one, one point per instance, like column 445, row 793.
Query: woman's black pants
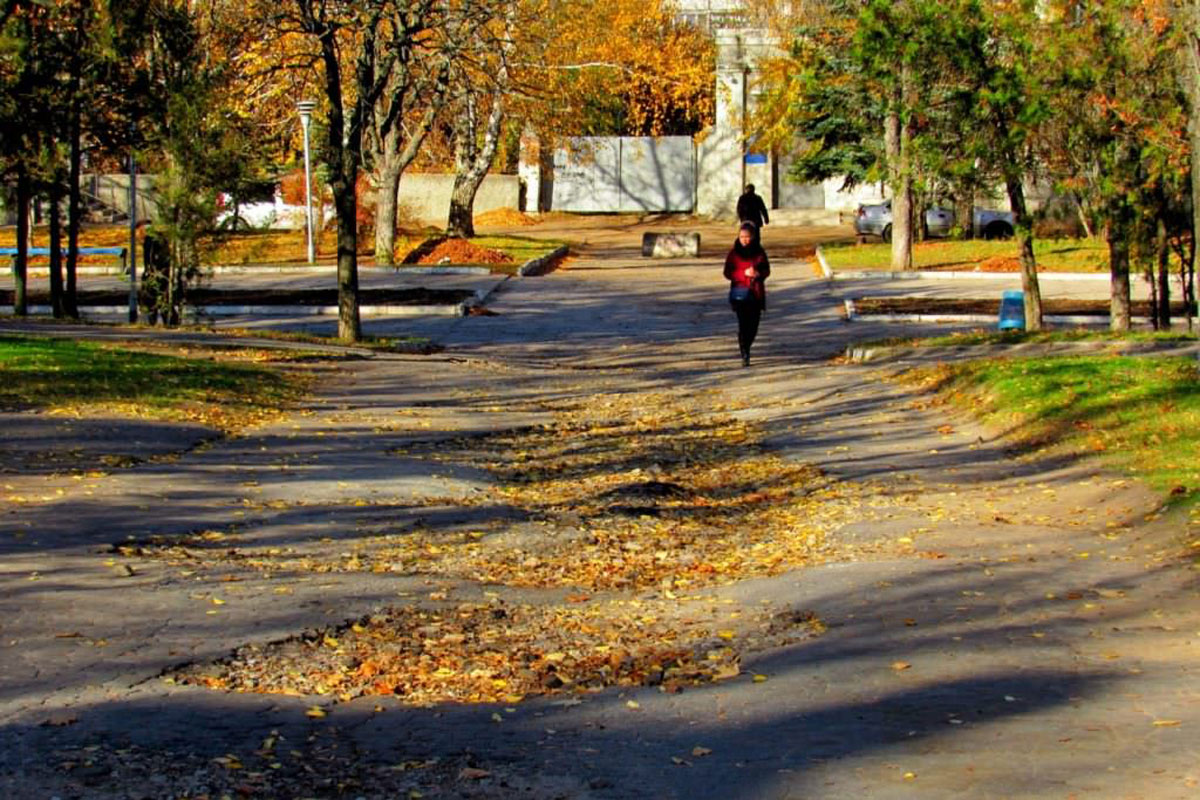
column 748, row 315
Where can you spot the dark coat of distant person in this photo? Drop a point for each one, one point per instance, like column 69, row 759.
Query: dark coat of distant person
column 751, row 208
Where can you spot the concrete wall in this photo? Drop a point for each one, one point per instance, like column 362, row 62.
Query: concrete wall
column 587, row 175
column 426, row 196
column 726, row 161
column 630, row 174
column 113, row 191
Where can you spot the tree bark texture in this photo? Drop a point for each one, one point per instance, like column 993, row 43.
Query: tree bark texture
column 1119, row 230
column 898, row 141
column 75, row 166
column 343, row 149
column 1023, row 225
column 74, row 212
column 57, row 301
column 964, row 214
column 1163, row 295
column 901, row 193
column 473, row 159
column 1192, row 85
column 387, row 200
column 394, row 147
column 21, row 261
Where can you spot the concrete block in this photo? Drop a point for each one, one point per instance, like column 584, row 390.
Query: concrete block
column 671, row 245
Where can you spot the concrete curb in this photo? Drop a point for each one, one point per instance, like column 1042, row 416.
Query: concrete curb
column 990, row 319
column 456, row 310
column 274, row 269
column 227, row 269
column 540, row 265
column 859, row 354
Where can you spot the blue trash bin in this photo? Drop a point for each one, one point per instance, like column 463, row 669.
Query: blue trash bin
column 1012, row 310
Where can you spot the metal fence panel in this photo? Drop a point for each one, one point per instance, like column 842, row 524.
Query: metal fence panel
column 658, row 174
column 638, row 174
column 587, row 175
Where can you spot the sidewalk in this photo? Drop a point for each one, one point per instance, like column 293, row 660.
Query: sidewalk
column 996, row 626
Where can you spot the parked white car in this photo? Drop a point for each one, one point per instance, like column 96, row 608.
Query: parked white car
column 876, row 220
column 273, row 215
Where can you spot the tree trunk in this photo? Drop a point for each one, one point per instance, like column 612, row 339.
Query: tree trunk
column 1082, row 214
column 472, row 162
column 393, row 154
column 1118, row 256
column 1187, row 269
column 75, row 164
column 1023, row 225
column 57, row 301
column 964, row 214
column 899, row 136
column 74, row 212
column 901, row 193
column 1191, row 83
column 387, row 191
column 1163, row 248
column 21, row 261
column 345, row 201
column 343, row 149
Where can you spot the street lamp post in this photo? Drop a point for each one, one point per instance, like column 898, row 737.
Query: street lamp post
column 305, row 107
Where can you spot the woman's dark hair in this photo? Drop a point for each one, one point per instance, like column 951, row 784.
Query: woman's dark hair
column 754, row 246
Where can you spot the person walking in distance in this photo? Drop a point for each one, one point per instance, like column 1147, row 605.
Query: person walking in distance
column 751, row 208
column 746, row 269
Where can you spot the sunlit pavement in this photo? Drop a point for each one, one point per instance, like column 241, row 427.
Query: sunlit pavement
column 1006, row 626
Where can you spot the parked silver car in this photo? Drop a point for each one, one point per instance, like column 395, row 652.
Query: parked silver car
column 876, row 220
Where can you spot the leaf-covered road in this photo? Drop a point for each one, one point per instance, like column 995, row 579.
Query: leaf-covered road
column 607, row 562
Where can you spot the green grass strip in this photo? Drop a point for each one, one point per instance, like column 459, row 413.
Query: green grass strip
column 48, row 373
column 1053, row 255
column 1141, row 414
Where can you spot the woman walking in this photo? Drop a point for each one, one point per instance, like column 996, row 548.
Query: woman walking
column 747, row 268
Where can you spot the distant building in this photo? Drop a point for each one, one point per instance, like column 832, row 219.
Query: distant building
column 726, row 160
column 611, row 174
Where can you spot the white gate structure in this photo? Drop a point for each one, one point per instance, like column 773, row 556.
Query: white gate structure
column 625, row 174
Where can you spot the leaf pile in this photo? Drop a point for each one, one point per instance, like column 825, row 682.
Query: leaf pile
column 505, row 218
column 496, row 653
column 461, row 251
